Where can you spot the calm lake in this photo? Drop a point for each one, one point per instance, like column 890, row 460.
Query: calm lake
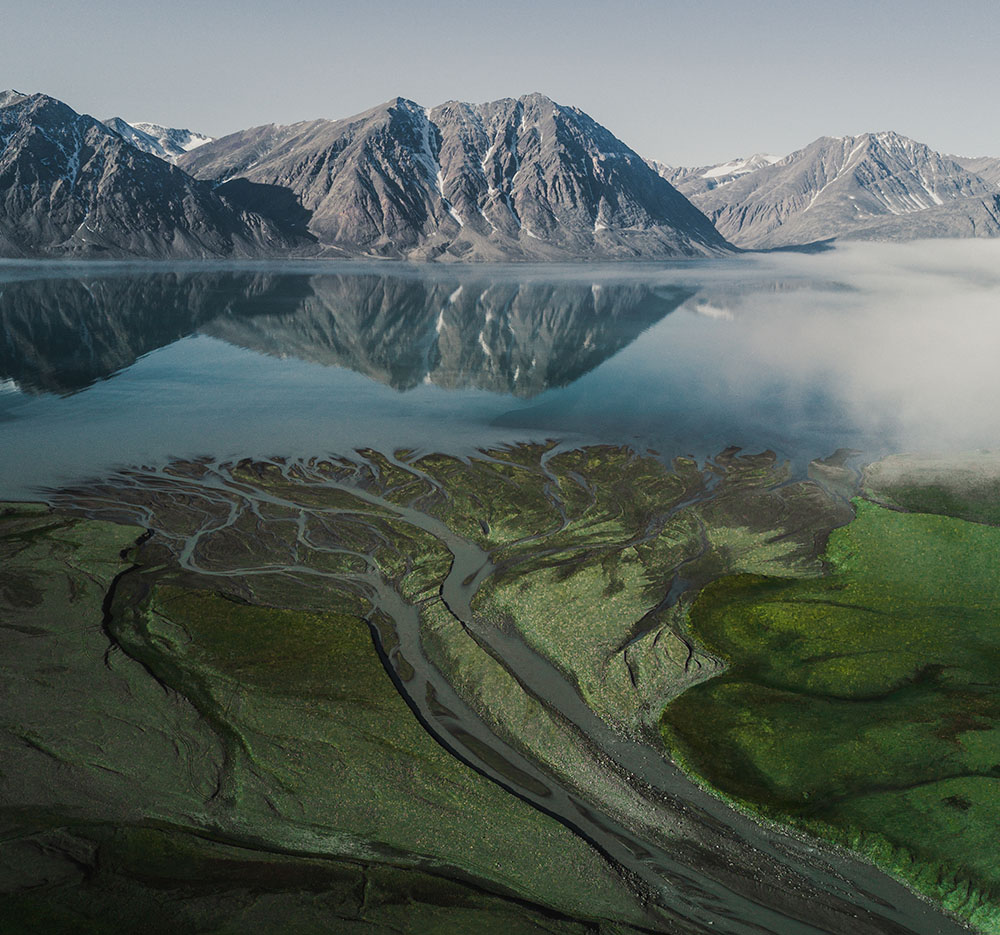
column 878, row 348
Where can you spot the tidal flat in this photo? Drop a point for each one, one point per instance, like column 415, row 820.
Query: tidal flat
column 416, row 692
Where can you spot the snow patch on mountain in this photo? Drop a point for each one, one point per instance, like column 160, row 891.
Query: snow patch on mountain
column 166, row 142
column 741, row 166
column 183, row 139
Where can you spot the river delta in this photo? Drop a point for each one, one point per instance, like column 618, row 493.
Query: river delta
column 538, row 684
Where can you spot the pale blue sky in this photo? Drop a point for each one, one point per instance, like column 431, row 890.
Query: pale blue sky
column 687, row 83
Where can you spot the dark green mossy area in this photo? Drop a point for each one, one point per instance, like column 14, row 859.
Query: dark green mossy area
column 491, row 501
column 170, row 882
column 865, row 705
column 285, row 651
column 979, row 504
column 186, row 758
column 319, row 735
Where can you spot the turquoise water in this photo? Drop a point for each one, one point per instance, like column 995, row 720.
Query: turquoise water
column 873, row 347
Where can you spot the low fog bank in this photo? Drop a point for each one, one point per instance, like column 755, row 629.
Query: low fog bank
column 900, row 341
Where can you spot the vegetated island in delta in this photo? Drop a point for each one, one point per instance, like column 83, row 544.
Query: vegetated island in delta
column 426, row 694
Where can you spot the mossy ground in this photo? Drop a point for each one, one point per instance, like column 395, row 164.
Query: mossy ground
column 859, row 702
column 326, row 741
column 585, row 590
column 171, row 882
column 199, row 763
column 277, row 649
column 865, row 705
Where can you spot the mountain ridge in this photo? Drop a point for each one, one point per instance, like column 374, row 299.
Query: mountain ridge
column 515, row 179
column 166, row 142
column 522, row 178
column 70, row 186
column 690, row 180
column 876, row 185
column 986, row 167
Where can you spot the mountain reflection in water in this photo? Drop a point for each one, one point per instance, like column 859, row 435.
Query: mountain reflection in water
column 519, row 338
column 873, row 347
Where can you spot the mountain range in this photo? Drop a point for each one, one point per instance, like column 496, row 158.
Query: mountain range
column 986, row 167
column 876, row 186
column 71, row 186
column 521, row 178
column 515, row 179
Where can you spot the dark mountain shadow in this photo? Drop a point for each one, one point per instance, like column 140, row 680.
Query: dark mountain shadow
column 816, row 246
column 278, row 204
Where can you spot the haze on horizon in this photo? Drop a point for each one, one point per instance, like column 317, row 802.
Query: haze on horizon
column 686, row 84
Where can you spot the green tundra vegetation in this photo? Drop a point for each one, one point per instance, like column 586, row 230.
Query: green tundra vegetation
column 205, row 711
column 196, row 763
column 864, row 705
column 589, row 592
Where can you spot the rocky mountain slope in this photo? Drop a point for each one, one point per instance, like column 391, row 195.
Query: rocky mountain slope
column 512, row 179
column 166, row 142
column 70, row 186
column 986, row 167
column 874, row 186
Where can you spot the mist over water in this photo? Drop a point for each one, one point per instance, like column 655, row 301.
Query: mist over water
column 884, row 348
column 876, row 347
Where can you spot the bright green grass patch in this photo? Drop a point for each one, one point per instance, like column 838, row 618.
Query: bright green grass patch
column 575, row 619
column 865, row 702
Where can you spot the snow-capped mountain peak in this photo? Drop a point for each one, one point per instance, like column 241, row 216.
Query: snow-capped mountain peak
column 183, row 139
column 166, row 142
column 691, row 180
column 740, row 166
column 9, row 96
